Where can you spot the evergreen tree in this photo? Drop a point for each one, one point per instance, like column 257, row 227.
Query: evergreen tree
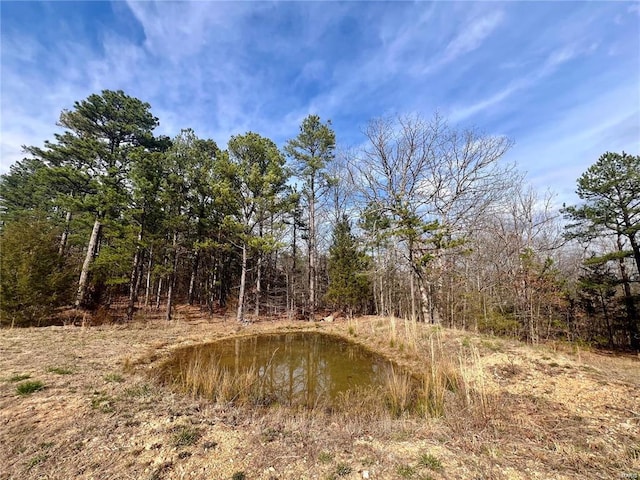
column 34, row 278
column 190, row 198
column 610, row 190
column 95, row 153
column 145, row 214
column 259, row 179
column 596, row 290
column 25, row 189
column 311, row 151
column 349, row 286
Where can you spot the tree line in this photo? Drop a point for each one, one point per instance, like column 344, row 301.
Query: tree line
column 425, row 221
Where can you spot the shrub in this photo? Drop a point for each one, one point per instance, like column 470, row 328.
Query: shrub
column 342, row 470
column 406, row 471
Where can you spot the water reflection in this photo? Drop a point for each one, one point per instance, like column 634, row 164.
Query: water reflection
column 294, row 368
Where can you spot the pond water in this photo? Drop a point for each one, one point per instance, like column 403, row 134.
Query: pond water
column 307, row 369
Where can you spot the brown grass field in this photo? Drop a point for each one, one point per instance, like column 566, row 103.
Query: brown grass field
column 84, row 402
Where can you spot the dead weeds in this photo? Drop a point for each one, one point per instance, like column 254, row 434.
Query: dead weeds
column 522, row 412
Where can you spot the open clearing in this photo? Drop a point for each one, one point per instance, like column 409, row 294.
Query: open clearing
column 546, row 412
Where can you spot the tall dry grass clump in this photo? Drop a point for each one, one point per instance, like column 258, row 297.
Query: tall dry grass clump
column 393, row 335
column 473, row 386
column 399, row 392
column 440, row 380
column 446, row 380
column 411, row 335
column 200, row 374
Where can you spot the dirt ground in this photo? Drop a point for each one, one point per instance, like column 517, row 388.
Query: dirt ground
column 547, row 412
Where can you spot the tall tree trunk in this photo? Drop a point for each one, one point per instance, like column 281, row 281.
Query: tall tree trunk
column 147, row 290
column 636, row 251
column 194, row 274
column 222, row 288
column 258, row 284
column 133, row 281
column 383, row 310
column 141, row 272
column 84, row 274
column 533, row 331
column 426, row 302
column 159, row 293
column 215, row 280
column 289, row 306
column 294, row 255
column 258, row 279
column 632, row 239
column 312, row 255
column 65, row 234
column 243, row 279
column 632, row 314
column 218, row 276
column 172, row 277
column 412, row 284
column 605, row 313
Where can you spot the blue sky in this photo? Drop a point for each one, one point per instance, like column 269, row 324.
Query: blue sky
column 562, row 79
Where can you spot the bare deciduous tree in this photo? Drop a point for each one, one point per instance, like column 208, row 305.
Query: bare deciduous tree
column 429, row 181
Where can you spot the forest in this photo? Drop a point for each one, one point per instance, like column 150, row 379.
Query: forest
column 424, row 220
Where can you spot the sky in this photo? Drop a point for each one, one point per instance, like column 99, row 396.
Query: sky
column 560, row 79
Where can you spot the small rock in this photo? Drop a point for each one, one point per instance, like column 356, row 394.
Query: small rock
column 365, row 474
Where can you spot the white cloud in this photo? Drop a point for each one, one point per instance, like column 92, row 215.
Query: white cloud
column 462, row 113
column 181, row 29
column 554, row 60
column 226, row 67
column 561, row 149
column 472, row 35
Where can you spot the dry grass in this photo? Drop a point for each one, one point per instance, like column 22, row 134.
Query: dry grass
column 446, row 380
column 490, row 408
column 200, row 375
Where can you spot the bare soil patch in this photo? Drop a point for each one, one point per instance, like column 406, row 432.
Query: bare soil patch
column 540, row 412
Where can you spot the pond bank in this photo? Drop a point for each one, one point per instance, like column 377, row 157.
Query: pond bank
column 537, row 413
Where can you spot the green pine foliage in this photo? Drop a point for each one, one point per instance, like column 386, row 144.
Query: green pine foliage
column 610, row 190
column 349, row 286
column 34, row 279
column 105, row 214
column 258, row 176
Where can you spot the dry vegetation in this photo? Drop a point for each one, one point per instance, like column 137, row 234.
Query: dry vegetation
column 83, row 402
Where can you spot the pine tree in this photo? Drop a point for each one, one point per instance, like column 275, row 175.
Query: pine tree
column 311, row 151
column 94, row 153
column 259, row 177
column 610, row 190
column 349, row 287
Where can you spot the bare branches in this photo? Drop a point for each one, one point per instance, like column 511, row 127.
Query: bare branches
column 428, row 183
column 437, row 172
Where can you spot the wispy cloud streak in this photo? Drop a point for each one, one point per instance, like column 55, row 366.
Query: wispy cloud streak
column 526, row 70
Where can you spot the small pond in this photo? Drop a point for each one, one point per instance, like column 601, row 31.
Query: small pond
column 307, row 369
